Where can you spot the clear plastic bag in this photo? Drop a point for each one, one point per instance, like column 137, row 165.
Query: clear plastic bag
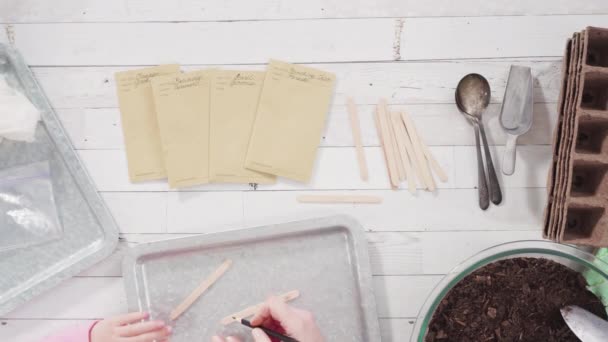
column 18, row 116
column 28, row 214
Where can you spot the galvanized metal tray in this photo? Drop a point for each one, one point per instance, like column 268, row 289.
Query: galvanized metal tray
column 325, row 259
column 89, row 232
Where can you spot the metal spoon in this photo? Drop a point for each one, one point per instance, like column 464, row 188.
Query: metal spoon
column 585, row 325
column 472, row 98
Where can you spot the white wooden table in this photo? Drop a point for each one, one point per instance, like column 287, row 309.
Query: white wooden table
column 412, row 52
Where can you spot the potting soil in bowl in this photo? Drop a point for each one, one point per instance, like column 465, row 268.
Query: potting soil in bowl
column 516, row 299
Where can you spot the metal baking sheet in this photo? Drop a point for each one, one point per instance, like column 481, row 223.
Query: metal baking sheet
column 325, row 259
column 89, row 232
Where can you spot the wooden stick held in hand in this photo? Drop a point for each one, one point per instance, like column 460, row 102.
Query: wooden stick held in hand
column 250, row 311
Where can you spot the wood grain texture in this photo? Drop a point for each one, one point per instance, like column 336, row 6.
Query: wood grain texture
column 225, row 42
column 332, row 171
column 298, row 41
column 31, row 11
column 489, row 37
column 522, row 210
column 438, row 124
column 410, row 83
column 334, row 199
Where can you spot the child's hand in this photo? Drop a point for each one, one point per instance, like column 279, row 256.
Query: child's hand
column 130, row 328
column 280, row 317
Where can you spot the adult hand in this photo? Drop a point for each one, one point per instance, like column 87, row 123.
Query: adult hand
column 130, row 328
column 278, row 316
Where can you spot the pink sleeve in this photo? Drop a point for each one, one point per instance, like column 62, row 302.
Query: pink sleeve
column 79, row 333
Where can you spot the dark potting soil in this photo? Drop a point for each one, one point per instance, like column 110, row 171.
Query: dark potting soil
column 512, row 300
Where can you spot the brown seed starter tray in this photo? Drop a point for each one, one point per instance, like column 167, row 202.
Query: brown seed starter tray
column 578, row 183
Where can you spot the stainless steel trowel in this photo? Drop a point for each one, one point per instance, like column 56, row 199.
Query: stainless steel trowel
column 585, row 325
column 516, row 112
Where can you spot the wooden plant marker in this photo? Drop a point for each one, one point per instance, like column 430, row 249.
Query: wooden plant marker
column 405, row 145
column 420, row 158
column 252, row 310
column 386, row 143
column 360, row 199
column 206, row 284
column 356, row 128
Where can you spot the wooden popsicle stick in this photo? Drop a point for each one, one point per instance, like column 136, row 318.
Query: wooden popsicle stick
column 412, row 158
column 379, row 132
column 356, row 128
column 420, row 159
column 434, row 164
column 364, row 199
column 400, row 169
column 206, row 284
column 429, row 156
column 252, row 310
column 386, row 144
column 401, row 142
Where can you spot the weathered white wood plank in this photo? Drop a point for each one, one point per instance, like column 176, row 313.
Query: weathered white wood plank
column 391, row 253
column 304, row 41
column 31, row 11
column 336, row 169
column 98, row 297
column 402, row 296
column 449, row 209
column 486, row 37
column 521, row 210
column 400, row 82
column 433, row 252
column 531, row 166
column 108, row 168
column 206, row 42
column 439, row 124
column 194, row 212
column 136, row 212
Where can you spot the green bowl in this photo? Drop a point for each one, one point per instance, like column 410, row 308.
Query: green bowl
column 576, row 259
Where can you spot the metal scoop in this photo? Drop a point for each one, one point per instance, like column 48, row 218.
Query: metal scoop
column 516, row 112
column 585, row 325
